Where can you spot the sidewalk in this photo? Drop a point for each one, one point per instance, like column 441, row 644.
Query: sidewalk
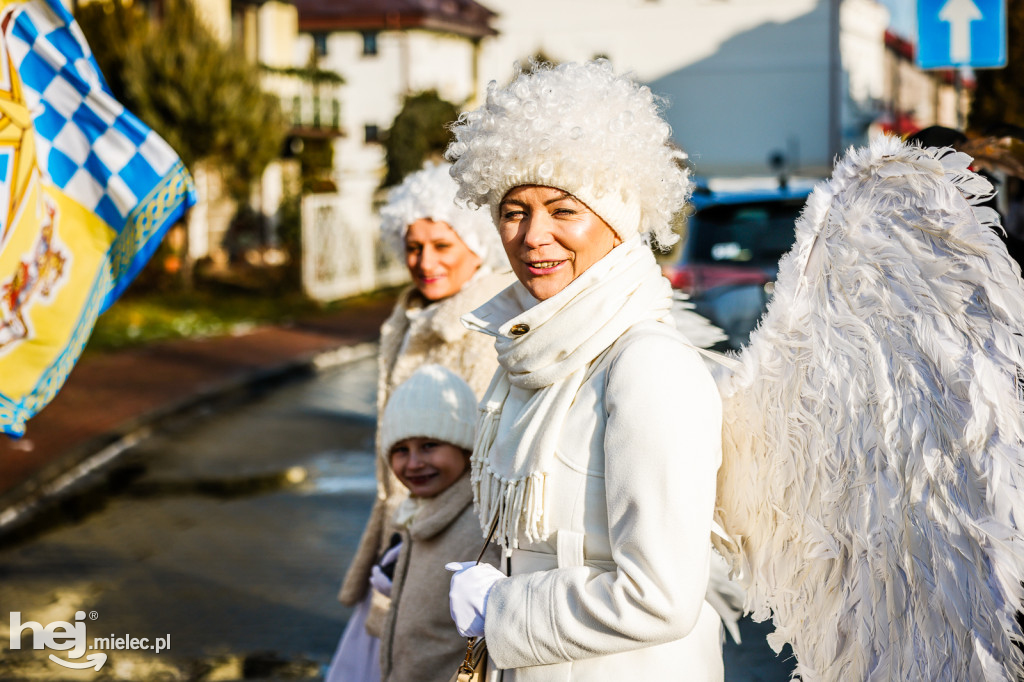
column 110, row 400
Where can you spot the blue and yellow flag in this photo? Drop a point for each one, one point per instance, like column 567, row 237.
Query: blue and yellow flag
column 87, row 191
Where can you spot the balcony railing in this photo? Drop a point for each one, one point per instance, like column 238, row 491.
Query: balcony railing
column 310, row 104
column 315, row 112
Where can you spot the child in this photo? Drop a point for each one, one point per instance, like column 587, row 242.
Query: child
column 426, row 434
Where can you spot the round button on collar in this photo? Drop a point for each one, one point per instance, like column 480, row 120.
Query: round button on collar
column 519, row 329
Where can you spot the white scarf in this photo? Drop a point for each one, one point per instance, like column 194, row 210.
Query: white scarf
column 522, row 413
column 407, row 511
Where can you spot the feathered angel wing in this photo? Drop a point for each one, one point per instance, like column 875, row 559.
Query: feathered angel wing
column 873, row 474
column 697, row 329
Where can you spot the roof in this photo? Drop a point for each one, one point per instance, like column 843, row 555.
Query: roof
column 462, row 17
column 897, row 43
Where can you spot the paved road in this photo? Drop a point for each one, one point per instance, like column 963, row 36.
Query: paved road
column 229, row 534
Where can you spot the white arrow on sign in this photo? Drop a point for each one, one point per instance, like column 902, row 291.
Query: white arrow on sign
column 959, row 14
column 91, row 661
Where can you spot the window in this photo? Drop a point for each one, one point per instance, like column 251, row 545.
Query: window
column 372, row 133
column 320, row 44
column 758, row 233
column 369, row 43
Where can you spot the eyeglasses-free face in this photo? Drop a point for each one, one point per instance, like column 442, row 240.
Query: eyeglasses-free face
column 551, row 237
column 439, row 261
column 427, row 466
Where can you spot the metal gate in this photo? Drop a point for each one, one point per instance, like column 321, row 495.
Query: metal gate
column 340, row 259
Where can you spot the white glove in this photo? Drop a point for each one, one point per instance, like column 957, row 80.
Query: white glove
column 378, row 580
column 391, row 556
column 467, row 597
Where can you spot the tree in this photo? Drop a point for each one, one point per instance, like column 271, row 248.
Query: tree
column 203, row 97
column 420, row 131
column 999, row 93
column 115, row 31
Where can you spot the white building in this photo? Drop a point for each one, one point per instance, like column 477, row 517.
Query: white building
column 386, row 49
column 745, row 79
column 917, row 99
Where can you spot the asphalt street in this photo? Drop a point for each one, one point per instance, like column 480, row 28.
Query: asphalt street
column 225, row 536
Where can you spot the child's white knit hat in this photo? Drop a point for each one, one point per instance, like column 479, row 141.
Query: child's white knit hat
column 580, row 128
column 430, row 194
column 433, row 403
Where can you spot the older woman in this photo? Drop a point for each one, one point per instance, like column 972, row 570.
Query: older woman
column 599, row 440
column 456, row 263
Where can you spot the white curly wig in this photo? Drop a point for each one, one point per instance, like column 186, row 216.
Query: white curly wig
column 582, row 129
column 430, row 193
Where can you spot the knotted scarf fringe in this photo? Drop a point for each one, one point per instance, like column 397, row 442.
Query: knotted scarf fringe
column 506, row 500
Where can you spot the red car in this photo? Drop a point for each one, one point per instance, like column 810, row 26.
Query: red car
column 730, row 256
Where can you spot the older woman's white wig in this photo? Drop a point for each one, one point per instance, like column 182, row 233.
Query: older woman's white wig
column 582, row 129
column 430, row 194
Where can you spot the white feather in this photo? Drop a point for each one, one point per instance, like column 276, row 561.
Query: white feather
column 697, row 329
column 873, row 473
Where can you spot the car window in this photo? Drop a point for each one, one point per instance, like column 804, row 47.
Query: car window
column 754, row 233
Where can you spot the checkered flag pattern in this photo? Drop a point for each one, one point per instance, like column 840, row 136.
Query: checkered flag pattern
column 87, row 143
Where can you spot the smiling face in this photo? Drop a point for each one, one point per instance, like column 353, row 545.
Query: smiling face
column 427, row 466
column 551, row 237
column 439, row 262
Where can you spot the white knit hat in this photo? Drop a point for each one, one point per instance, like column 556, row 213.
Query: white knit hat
column 430, row 194
column 580, row 128
column 433, row 403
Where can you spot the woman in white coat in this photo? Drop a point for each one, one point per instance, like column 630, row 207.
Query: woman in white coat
column 600, row 436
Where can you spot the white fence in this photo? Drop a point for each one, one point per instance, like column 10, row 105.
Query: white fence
column 340, row 259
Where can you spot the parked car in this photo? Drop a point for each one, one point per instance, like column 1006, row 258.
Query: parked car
column 730, row 255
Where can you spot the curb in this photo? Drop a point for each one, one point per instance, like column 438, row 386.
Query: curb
column 84, row 463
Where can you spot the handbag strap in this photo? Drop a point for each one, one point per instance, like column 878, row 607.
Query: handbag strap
column 475, row 646
column 490, row 536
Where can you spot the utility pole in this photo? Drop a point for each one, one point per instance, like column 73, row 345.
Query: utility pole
column 835, row 80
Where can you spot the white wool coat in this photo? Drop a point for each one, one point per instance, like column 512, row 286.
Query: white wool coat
column 616, row 592
column 419, row 643
column 416, row 334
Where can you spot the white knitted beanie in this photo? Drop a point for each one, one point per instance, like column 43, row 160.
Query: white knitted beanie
column 433, row 403
column 430, row 194
column 580, row 128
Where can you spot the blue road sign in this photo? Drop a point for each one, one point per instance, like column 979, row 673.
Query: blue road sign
column 961, row 33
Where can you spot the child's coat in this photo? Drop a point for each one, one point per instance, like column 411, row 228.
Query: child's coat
column 419, row 642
